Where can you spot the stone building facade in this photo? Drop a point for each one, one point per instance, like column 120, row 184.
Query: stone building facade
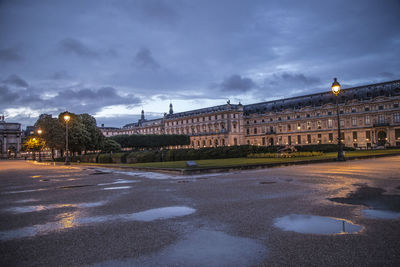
column 369, row 117
column 10, row 139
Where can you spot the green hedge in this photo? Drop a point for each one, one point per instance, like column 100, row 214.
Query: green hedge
column 118, row 157
column 285, row 155
column 322, row 148
column 104, row 158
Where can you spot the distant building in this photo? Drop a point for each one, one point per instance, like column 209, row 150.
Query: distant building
column 10, row 138
column 369, row 117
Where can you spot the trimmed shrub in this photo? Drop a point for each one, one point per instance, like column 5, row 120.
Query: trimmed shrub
column 285, row 155
column 104, row 158
column 322, row 148
column 118, row 157
column 89, row 158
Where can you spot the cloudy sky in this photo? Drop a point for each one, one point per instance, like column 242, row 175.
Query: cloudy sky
column 112, row 58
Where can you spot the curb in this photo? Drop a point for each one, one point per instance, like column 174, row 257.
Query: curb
column 191, row 171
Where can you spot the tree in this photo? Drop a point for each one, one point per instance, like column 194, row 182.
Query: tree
column 52, row 132
column 95, row 135
column 83, row 133
column 34, row 143
column 110, row 145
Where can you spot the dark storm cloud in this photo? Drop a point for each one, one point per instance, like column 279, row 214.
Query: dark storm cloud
column 159, row 50
column 76, row 47
column 16, row 80
column 291, row 79
column 60, row 75
column 10, row 55
column 6, row 96
column 144, row 60
column 236, row 83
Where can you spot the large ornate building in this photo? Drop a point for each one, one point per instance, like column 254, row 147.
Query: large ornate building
column 10, row 139
column 369, row 117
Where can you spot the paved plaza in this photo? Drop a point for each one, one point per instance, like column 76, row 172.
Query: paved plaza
column 327, row 214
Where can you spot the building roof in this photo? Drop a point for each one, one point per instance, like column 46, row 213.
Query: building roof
column 360, row 93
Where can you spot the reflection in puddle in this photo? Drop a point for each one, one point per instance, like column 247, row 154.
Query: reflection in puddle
column 72, row 219
column 34, row 208
column 66, row 221
column 117, row 187
column 202, row 248
column 145, row 216
column 120, row 181
column 381, row 214
column 308, row 224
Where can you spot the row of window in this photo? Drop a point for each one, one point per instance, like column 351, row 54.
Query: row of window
column 308, row 125
column 353, row 110
column 198, row 119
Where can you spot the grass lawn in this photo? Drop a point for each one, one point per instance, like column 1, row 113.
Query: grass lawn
column 207, row 163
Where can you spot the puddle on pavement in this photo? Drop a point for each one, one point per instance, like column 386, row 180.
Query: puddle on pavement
column 309, row 224
column 24, row 191
column 66, row 220
column 381, row 214
column 371, row 197
column 144, row 216
column 35, row 208
column 72, row 219
column 120, row 181
column 117, row 187
column 160, row 176
column 26, row 200
column 202, row 248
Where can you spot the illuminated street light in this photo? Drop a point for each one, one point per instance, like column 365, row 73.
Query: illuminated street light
column 336, row 90
column 66, row 119
column 39, row 133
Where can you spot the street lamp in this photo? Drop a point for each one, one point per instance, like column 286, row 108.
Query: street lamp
column 66, row 118
column 39, row 133
column 336, row 90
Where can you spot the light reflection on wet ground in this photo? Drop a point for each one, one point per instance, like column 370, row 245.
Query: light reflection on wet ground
column 117, row 187
column 144, row 216
column 34, row 208
column 202, row 248
column 119, row 181
column 159, row 176
column 72, row 219
column 66, row 220
column 309, row 224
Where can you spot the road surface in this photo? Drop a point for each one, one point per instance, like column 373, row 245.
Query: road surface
column 325, row 214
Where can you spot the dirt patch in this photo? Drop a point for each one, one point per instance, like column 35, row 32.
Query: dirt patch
column 372, row 197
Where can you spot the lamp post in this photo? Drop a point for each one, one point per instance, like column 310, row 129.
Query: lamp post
column 39, row 133
column 33, row 150
column 336, row 90
column 66, row 119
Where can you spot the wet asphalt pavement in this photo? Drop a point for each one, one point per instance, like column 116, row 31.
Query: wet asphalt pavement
column 327, row 214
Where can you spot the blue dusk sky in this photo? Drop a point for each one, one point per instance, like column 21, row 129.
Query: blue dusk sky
column 112, row 58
